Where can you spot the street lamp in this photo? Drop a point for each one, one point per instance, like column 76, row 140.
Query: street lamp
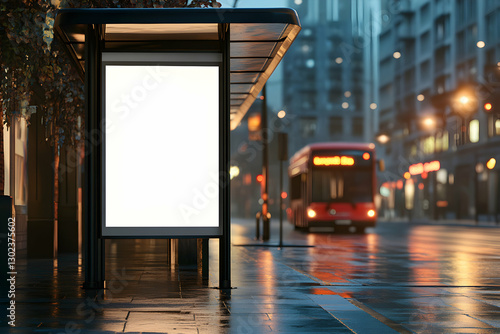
column 464, row 104
column 465, row 101
column 429, row 122
column 382, row 138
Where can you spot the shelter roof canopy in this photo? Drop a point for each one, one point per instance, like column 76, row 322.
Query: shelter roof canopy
column 259, row 38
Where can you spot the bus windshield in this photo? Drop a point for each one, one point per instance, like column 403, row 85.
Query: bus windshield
column 342, row 185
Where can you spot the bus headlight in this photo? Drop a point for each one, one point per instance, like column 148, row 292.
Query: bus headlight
column 371, row 213
column 311, row 213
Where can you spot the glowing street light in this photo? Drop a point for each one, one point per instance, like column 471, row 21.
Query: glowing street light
column 233, row 172
column 491, row 163
column 429, row 122
column 465, row 101
column 383, row 138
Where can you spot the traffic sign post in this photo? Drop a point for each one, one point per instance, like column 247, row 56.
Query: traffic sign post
column 283, row 156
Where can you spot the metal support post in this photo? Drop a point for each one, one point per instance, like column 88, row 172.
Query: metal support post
column 283, row 155
column 476, row 188
column 169, row 251
column 92, row 204
column 281, row 203
column 265, row 169
column 204, row 258
column 463, row 131
column 225, row 240
column 497, row 198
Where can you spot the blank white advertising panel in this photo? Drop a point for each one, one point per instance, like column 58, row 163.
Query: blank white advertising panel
column 161, row 152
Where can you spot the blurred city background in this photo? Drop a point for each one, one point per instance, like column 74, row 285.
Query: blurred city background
column 418, row 78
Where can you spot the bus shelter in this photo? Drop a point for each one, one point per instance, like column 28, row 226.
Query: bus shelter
column 163, row 89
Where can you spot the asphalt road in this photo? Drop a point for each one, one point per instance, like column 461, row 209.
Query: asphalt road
column 413, row 278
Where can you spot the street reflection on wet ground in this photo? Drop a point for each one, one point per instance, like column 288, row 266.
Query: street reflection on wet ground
column 425, row 278
column 396, row 278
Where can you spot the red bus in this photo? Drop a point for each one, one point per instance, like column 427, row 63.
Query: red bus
column 333, row 185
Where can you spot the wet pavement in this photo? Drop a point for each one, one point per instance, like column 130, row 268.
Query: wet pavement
column 398, row 277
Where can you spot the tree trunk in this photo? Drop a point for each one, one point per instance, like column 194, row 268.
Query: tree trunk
column 56, row 188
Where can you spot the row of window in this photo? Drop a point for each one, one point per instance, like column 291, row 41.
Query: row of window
column 441, row 141
column 466, row 38
column 466, row 11
column 308, row 126
column 336, row 98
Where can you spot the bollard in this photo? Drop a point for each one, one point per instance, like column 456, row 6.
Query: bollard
column 257, row 226
column 265, row 230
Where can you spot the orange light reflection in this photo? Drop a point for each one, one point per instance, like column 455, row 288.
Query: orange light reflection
column 333, row 267
column 267, row 275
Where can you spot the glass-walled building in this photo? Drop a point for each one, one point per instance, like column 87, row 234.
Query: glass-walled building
column 329, row 74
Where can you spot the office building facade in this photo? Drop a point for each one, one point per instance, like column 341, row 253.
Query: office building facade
column 438, row 63
column 329, row 84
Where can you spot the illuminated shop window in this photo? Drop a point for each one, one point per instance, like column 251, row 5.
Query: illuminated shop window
column 442, row 142
column 497, row 127
column 474, row 131
column 428, row 145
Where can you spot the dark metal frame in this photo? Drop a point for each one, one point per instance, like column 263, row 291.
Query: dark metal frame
column 94, row 259
column 161, row 232
column 94, row 243
column 85, row 27
column 225, row 239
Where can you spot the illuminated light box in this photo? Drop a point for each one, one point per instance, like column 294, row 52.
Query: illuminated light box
column 333, row 161
column 420, row 168
column 161, row 144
